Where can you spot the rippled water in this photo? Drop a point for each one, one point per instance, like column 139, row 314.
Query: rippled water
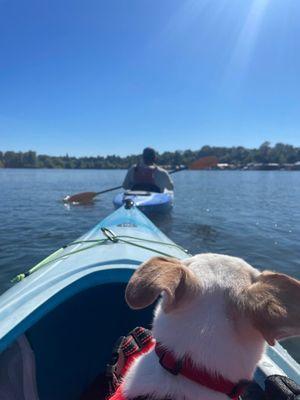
column 253, row 214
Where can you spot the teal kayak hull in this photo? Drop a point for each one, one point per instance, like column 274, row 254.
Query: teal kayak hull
column 71, row 309
column 21, row 305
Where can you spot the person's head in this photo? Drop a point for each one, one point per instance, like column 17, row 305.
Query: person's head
column 149, row 156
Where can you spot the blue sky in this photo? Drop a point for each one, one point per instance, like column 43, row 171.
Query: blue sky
column 100, row 77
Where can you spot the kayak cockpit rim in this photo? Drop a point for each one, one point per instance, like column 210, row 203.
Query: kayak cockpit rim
column 9, row 332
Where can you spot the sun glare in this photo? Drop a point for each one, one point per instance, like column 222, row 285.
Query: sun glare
column 248, row 36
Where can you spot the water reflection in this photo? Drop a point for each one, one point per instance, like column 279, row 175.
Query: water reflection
column 206, row 233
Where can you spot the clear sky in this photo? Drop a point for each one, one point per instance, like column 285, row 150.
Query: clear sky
column 99, row 77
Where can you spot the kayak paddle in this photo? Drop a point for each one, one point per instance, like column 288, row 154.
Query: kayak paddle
column 87, row 197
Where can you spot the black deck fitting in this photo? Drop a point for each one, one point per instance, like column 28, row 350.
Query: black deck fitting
column 128, row 203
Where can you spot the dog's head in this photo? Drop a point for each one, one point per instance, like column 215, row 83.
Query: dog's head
column 270, row 301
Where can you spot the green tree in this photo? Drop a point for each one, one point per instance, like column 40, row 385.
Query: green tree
column 29, row 159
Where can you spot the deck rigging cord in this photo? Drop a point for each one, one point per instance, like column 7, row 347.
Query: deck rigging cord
column 111, row 237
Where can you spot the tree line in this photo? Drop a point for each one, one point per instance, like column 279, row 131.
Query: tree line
column 239, row 156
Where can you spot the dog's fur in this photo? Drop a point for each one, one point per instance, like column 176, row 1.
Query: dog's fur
column 216, row 309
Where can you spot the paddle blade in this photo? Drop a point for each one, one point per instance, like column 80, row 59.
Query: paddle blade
column 84, row 197
column 204, row 162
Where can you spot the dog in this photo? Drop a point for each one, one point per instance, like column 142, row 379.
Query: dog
column 215, row 311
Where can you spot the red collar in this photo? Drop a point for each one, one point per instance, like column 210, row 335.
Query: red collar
column 186, row 368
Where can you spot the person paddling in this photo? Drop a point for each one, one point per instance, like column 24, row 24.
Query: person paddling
column 146, row 175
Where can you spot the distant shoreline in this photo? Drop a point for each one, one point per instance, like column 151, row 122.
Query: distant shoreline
column 266, row 157
column 231, row 168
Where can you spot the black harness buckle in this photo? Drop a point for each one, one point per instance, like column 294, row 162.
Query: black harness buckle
column 174, row 369
column 239, row 389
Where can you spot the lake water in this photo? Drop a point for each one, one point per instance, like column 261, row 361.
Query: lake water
column 251, row 214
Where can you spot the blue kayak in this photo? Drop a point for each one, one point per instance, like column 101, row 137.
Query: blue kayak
column 148, row 202
column 60, row 321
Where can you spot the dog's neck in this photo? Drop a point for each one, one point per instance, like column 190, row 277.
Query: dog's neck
column 210, row 337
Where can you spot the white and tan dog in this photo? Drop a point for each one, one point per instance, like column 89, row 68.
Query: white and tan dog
column 215, row 309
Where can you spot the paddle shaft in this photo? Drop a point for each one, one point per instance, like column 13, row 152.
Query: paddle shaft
column 108, row 190
column 178, row 170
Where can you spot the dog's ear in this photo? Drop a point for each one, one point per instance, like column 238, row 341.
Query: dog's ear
column 157, row 275
column 273, row 304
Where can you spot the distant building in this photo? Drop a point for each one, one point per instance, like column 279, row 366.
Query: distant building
column 263, row 166
column 226, row 166
column 296, row 166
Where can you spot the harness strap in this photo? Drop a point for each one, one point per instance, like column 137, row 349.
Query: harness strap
column 140, row 341
column 136, row 341
column 127, row 349
column 186, row 368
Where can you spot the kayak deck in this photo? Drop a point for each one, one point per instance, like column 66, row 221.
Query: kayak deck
column 71, row 268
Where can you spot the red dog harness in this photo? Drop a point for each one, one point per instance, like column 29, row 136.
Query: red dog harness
column 141, row 341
